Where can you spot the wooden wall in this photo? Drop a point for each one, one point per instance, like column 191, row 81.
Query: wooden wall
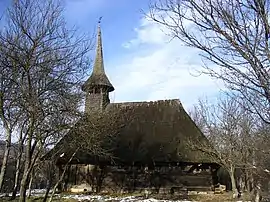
column 130, row 179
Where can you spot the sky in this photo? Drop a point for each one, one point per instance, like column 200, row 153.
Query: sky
column 141, row 60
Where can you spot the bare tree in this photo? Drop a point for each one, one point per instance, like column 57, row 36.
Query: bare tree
column 48, row 63
column 9, row 112
column 239, row 142
column 229, row 129
column 7, row 125
column 234, row 35
column 98, row 130
column 92, row 140
column 61, row 177
column 260, row 173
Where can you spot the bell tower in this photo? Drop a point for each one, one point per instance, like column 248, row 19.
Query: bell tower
column 97, row 87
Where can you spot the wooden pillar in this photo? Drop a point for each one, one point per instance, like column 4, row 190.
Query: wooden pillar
column 214, row 170
column 60, row 171
column 76, row 175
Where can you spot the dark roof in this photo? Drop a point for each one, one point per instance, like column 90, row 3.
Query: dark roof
column 97, row 80
column 98, row 77
column 143, row 132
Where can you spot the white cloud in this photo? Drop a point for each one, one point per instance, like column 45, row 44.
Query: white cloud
column 159, row 70
column 147, row 33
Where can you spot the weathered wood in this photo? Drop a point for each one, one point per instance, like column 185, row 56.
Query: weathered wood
column 130, row 178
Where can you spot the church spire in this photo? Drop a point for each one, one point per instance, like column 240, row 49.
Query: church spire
column 99, row 65
column 98, row 77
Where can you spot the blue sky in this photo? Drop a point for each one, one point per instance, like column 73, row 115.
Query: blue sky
column 139, row 59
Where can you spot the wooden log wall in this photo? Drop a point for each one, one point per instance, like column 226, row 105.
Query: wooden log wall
column 130, row 179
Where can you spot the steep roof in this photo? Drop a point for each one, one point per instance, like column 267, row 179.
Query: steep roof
column 98, row 76
column 142, row 132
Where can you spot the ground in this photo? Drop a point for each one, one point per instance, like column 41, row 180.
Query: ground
column 37, row 197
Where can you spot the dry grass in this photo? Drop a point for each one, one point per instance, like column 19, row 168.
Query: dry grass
column 220, row 197
column 227, row 196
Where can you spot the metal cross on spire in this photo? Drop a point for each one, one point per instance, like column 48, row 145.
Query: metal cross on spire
column 99, row 20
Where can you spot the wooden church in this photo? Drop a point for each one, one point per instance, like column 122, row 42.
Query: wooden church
column 132, row 146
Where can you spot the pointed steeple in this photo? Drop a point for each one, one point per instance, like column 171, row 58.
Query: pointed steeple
column 99, row 65
column 98, row 77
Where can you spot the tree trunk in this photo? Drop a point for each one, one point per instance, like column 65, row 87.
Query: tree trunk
column 247, row 184
column 25, row 178
column 49, row 177
column 23, row 186
column 233, row 182
column 17, row 174
column 58, row 182
column 16, row 179
column 48, row 187
column 5, row 157
column 241, row 184
column 30, row 184
column 257, row 189
column 62, row 175
column 30, row 160
column 100, row 177
column 258, row 192
column 18, row 162
column 26, row 172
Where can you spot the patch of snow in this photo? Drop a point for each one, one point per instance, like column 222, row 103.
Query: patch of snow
column 34, row 192
column 81, row 197
column 266, row 171
column 119, row 199
column 7, row 195
column 62, row 155
column 243, row 201
column 84, row 197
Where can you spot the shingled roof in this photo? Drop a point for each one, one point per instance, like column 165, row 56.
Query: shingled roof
column 98, row 76
column 156, row 132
